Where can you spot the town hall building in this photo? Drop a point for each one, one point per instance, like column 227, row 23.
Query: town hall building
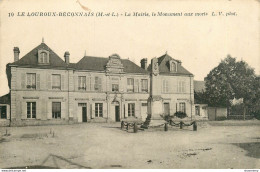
column 45, row 89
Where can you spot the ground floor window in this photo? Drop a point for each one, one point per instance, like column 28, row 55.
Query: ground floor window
column 31, row 109
column 98, row 109
column 56, row 110
column 197, row 110
column 3, row 112
column 182, row 107
column 131, row 109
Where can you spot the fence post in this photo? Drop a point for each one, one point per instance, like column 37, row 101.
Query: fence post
column 127, row 126
column 194, row 126
column 165, row 127
column 122, row 125
column 181, row 125
column 135, row 128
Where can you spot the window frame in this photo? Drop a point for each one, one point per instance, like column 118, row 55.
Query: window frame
column 32, row 108
column 31, row 85
column 56, row 115
column 165, row 86
column 182, row 107
column 144, row 85
column 131, row 109
column 99, row 110
column 130, row 85
column 81, row 84
column 54, row 87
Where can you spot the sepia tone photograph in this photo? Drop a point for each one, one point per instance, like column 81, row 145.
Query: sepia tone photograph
column 97, row 84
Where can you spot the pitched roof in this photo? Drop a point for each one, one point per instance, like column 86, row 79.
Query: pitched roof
column 199, row 86
column 164, row 67
column 99, row 64
column 5, row 99
column 31, row 60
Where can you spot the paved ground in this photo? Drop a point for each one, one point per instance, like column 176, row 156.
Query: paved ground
column 223, row 144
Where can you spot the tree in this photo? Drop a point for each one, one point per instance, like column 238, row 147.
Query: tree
column 231, row 79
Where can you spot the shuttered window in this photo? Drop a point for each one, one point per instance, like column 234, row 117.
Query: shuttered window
column 181, row 87
column 165, row 88
column 81, row 83
column 130, row 85
column 144, row 83
column 182, row 107
column 98, row 84
column 56, row 82
column 31, row 81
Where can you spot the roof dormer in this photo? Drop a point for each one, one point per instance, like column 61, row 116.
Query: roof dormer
column 43, row 56
column 173, row 66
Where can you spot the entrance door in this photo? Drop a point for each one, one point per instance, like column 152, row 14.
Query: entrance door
column 84, row 114
column 3, row 112
column 166, row 109
column 117, row 113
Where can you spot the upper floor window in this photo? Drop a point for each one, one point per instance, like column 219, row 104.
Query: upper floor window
column 82, row 83
column 56, row 81
column 130, row 85
column 43, row 56
column 31, row 109
column 181, row 86
column 31, row 81
column 115, row 84
column 173, row 67
column 97, row 85
column 165, row 88
column 144, row 83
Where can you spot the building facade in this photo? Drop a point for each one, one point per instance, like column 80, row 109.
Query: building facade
column 44, row 89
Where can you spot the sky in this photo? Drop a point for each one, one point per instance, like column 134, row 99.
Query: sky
column 199, row 42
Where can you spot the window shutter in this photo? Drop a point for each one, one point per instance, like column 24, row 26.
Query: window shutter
column 88, row 83
column 92, row 82
column 76, row 83
column 62, row 82
column 38, row 82
column 23, row 80
column 49, row 81
column 100, row 84
column 136, row 83
column 49, row 110
column 38, row 112
column 140, row 86
column 24, row 110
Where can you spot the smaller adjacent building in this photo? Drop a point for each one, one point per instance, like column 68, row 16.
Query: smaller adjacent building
column 201, row 107
column 5, row 110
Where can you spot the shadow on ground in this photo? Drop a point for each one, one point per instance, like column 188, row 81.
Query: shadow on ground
column 252, row 148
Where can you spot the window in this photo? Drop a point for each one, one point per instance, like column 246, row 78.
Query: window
column 81, row 83
column 98, row 109
column 31, row 109
column 131, row 109
column 31, row 82
column 182, row 107
column 144, row 83
column 56, row 84
column 197, row 110
column 56, row 110
column 43, row 57
column 165, row 86
column 115, row 84
column 97, row 85
column 173, row 67
column 181, row 86
column 3, row 112
column 130, row 85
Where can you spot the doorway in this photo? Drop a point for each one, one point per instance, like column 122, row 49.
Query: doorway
column 84, row 114
column 166, row 108
column 117, row 113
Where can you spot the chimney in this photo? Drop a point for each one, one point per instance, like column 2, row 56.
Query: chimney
column 16, row 53
column 67, row 57
column 144, row 63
